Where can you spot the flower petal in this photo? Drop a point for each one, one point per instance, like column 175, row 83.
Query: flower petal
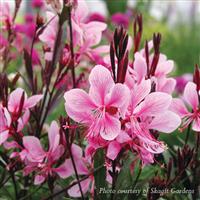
column 14, row 99
column 139, row 92
column 119, row 97
column 23, row 120
column 154, row 103
column 76, row 151
column 166, row 122
column 78, row 100
column 111, row 129
column 34, row 148
column 196, row 125
column 101, row 82
column 32, row 101
column 113, row 149
column 65, row 170
column 140, row 67
column 75, row 192
column 81, row 117
column 166, row 85
column 3, row 136
column 178, row 107
column 54, row 136
column 39, row 179
column 123, row 137
column 191, row 96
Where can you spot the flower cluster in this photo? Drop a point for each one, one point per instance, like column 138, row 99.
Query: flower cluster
column 119, row 102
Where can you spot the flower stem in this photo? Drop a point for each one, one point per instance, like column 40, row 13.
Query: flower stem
column 74, row 164
column 72, row 50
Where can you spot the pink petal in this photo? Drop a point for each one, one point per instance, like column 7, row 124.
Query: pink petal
column 101, row 49
column 39, row 179
column 56, row 153
column 78, row 100
column 75, row 192
column 32, row 101
column 119, row 97
column 14, row 99
column 190, row 95
column 139, row 92
column 93, row 32
column 154, row 148
column 196, row 125
column 81, row 117
column 166, row 85
column 123, row 137
column 49, row 34
column 76, row 151
column 81, row 12
column 23, row 120
column 179, row 107
column 140, row 67
column 54, row 136
column 5, row 117
column 113, row 150
column 65, row 170
column 34, row 148
column 10, row 145
column 111, row 129
column 164, row 68
column 3, row 136
column 166, row 122
column 101, row 83
column 154, row 103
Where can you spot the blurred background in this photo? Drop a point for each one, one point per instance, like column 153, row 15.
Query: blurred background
column 178, row 21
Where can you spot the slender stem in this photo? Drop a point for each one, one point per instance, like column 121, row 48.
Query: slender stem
column 72, row 50
column 74, row 183
column 187, row 134
column 74, row 165
column 15, row 185
column 114, row 177
column 56, row 47
column 5, row 181
column 30, row 194
column 138, row 176
column 196, row 193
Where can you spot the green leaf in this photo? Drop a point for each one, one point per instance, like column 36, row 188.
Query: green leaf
column 100, row 175
column 116, row 6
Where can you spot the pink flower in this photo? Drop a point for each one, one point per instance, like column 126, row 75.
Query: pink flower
column 5, row 122
column 121, row 19
column 160, row 78
column 101, row 109
column 191, row 98
column 15, row 100
column 149, row 111
column 40, row 160
column 37, row 3
column 28, row 28
column 86, row 34
column 5, row 14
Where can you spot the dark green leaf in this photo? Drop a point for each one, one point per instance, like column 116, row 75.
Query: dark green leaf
column 100, row 175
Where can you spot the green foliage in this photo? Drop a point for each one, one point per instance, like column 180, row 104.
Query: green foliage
column 100, row 175
column 116, row 6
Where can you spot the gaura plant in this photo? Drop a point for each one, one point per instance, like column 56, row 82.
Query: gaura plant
column 122, row 110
